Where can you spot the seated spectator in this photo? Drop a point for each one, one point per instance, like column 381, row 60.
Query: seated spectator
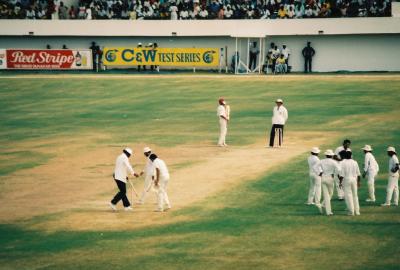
column 308, row 13
column 281, row 66
column 62, row 11
column 268, row 64
column 290, row 13
column 72, row 13
column 228, row 13
column 30, row 14
column 184, row 14
column 266, row 14
column 221, row 12
column 282, row 12
column 203, row 14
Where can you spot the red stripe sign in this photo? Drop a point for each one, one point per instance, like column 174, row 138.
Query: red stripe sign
column 48, row 59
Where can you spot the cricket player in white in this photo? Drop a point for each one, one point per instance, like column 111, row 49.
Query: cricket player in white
column 279, row 118
column 149, row 175
column 223, row 122
column 371, row 169
column 344, row 147
column 314, row 193
column 122, row 168
column 161, row 182
column 350, row 179
column 329, row 168
column 393, row 181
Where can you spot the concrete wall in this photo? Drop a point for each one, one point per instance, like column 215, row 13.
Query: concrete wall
column 334, row 53
column 353, row 44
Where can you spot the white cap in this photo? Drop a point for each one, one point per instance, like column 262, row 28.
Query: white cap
column 146, row 149
column 128, row 150
column 315, row 150
column 391, row 149
column 279, row 100
column 367, row 148
column 140, row 43
column 150, row 44
column 329, row 152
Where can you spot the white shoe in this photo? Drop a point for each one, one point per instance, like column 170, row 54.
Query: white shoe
column 128, row 208
column 369, row 200
column 396, row 204
column 358, row 213
column 350, row 214
column 113, row 206
column 168, row 208
column 319, row 207
column 159, row 210
column 385, row 204
column 329, row 214
column 309, row 203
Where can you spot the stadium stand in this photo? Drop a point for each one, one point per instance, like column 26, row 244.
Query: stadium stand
column 193, row 9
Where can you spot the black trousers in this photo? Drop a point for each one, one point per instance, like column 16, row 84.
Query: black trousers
column 276, row 128
column 121, row 195
column 308, row 64
column 253, row 61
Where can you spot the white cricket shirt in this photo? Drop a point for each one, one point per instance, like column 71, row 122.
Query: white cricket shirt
column 370, row 164
column 149, row 168
column 160, row 164
column 329, row 166
column 349, row 169
column 221, row 111
column 279, row 115
column 392, row 163
column 313, row 161
column 122, row 168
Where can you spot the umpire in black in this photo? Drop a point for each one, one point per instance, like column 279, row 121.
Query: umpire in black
column 308, row 53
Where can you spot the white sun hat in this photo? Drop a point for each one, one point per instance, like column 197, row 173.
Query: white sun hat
column 146, row 149
column 391, row 149
column 315, row 150
column 128, row 150
column 367, row 148
column 329, row 152
column 279, row 100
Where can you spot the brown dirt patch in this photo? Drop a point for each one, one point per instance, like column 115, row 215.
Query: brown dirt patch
column 76, row 185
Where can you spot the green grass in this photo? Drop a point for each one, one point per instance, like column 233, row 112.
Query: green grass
column 264, row 224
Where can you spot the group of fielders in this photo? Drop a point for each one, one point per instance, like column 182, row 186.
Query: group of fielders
column 339, row 169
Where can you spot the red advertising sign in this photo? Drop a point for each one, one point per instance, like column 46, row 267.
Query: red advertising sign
column 48, row 59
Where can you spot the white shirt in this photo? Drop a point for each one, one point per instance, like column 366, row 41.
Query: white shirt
column 349, row 169
column 280, row 115
column 370, row 164
column 286, row 53
column 392, row 164
column 122, row 168
column 340, row 149
column 160, row 164
column 328, row 166
column 221, row 111
column 312, row 162
column 149, row 168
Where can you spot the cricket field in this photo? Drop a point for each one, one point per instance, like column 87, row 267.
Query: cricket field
column 239, row 207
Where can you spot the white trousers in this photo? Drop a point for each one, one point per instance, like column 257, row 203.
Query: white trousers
column 393, row 189
column 351, row 195
column 314, row 193
column 371, row 184
column 148, row 181
column 163, row 199
column 328, row 185
column 223, row 129
column 340, row 191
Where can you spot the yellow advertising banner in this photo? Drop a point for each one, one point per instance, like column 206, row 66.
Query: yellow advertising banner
column 193, row 57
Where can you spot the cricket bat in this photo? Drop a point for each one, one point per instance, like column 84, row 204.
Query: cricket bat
column 228, row 111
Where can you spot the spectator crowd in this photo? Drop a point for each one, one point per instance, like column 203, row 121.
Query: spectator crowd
column 192, row 9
